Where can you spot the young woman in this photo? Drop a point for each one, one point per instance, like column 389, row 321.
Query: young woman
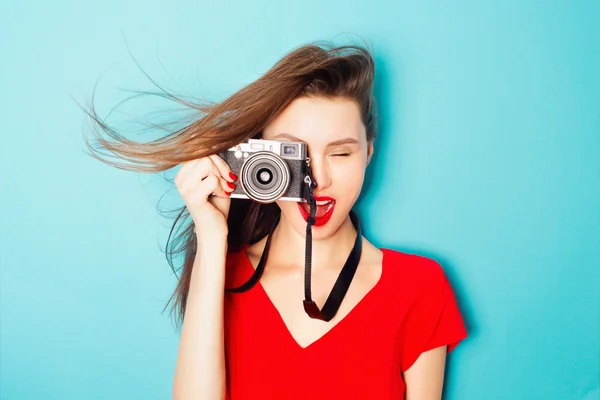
column 397, row 319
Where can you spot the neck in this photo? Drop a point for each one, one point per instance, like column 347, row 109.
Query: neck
column 329, row 252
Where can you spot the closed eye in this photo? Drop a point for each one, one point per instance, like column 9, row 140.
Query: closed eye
column 341, row 154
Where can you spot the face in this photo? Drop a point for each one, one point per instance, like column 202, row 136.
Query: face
column 339, row 154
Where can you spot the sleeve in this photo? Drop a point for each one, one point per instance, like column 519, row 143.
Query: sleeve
column 434, row 319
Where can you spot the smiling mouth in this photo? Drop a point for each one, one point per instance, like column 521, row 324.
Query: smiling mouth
column 325, row 207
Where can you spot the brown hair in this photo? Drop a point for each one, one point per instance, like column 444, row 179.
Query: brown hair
column 316, row 70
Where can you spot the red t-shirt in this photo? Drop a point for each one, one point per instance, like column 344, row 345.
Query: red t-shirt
column 410, row 310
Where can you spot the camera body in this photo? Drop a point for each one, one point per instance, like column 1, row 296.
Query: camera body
column 268, row 170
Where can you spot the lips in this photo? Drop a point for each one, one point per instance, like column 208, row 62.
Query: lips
column 325, row 207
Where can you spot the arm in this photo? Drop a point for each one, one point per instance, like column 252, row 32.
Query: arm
column 200, row 368
column 425, row 378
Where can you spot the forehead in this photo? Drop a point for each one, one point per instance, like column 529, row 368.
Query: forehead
column 318, row 121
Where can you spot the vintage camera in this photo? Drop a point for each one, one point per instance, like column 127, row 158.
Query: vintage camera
column 268, row 170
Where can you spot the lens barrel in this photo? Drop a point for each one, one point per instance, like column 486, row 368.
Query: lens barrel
column 265, row 177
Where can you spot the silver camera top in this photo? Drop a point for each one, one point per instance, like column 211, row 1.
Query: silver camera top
column 285, row 149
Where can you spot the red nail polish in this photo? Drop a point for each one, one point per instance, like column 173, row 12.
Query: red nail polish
column 232, row 176
column 228, row 193
column 231, row 185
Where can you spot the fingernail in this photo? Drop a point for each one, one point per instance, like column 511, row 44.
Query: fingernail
column 231, row 185
column 228, row 193
column 232, row 176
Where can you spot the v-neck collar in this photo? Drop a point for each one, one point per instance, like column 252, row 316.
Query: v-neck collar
column 365, row 299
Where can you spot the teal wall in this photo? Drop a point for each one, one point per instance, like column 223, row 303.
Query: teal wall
column 488, row 159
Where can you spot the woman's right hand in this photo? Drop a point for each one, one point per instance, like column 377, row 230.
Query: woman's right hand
column 205, row 185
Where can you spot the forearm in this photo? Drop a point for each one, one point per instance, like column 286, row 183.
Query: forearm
column 200, row 369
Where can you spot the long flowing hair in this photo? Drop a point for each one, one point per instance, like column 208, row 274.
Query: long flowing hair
column 314, row 70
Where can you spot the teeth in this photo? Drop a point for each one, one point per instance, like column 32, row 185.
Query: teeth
column 328, row 203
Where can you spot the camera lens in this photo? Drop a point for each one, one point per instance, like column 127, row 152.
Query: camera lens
column 264, row 177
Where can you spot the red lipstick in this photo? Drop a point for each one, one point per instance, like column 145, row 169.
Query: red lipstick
column 324, row 212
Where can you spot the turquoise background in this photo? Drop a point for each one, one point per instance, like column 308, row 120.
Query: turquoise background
column 488, row 159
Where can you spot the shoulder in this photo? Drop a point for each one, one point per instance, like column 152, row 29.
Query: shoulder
column 416, row 266
column 416, row 274
column 424, row 303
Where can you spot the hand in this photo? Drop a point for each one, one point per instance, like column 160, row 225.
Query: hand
column 205, row 185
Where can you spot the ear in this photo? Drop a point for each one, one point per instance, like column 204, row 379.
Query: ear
column 370, row 150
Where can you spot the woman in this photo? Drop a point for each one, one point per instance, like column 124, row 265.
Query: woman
column 387, row 339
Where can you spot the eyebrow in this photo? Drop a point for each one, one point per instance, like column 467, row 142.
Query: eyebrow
column 331, row 144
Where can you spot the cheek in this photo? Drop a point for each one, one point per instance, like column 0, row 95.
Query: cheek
column 350, row 176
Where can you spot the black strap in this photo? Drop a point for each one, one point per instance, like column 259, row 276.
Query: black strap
column 340, row 288
column 261, row 264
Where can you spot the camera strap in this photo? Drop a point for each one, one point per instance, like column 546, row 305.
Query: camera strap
column 340, row 288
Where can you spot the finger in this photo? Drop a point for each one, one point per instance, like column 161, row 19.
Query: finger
column 212, row 185
column 223, row 168
column 187, row 165
column 184, row 170
column 200, row 195
column 198, row 172
column 227, row 186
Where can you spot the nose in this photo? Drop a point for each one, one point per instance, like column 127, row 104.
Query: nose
column 321, row 174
